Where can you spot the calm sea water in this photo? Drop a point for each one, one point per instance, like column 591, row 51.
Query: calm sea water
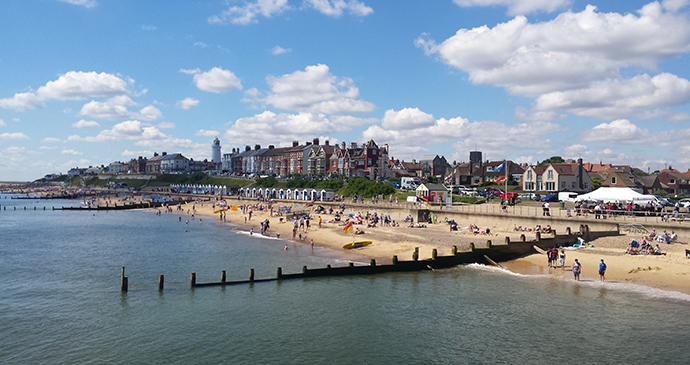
column 60, row 303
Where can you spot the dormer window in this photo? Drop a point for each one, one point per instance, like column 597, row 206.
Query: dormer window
column 671, row 181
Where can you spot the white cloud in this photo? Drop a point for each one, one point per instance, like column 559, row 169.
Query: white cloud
column 216, row 80
column 611, row 99
column 85, row 123
column 516, row 7
column 200, row 44
column 73, row 85
column 206, row 133
column 279, row 50
column 565, row 53
column 618, row 131
column 186, row 103
column 22, row 101
column 2, row 123
column 674, row 5
column 335, row 8
column 51, row 140
column 407, row 118
column 148, row 27
column 116, row 108
column 316, row 90
column 84, row 3
column 281, row 129
column 47, row 148
column 71, row 152
column 249, row 11
column 413, row 132
column 13, row 136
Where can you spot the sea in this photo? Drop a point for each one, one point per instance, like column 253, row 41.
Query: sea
column 60, row 302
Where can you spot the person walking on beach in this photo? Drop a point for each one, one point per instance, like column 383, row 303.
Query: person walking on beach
column 577, row 268
column 562, row 258
column 602, row 270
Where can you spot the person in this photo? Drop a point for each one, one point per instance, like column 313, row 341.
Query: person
column 577, row 268
column 546, row 209
column 562, row 258
column 602, row 270
column 286, row 247
column 312, row 244
column 504, row 207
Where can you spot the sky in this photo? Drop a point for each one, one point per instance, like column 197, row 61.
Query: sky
column 88, row 82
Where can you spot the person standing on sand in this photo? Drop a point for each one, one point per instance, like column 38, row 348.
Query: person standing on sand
column 602, row 270
column 577, row 268
column 319, row 221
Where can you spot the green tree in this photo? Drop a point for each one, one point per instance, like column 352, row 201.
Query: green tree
column 596, row 183
column 552, row 159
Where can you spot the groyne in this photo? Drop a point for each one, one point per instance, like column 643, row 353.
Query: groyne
column 488, row 252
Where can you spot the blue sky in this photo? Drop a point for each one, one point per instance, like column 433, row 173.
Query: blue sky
column 88, row 82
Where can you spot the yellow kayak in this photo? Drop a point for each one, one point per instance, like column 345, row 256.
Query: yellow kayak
column 356, row 244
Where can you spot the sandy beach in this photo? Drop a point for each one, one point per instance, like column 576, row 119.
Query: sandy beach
column 669, row 272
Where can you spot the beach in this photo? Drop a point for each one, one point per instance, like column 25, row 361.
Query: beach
column 668, row 272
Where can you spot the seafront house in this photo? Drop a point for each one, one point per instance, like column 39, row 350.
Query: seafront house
column 319, row 158
column 557, row 177
column 116, row 167
column 174, row 163
column 153, row 164
column 226, row 160
column 136, row 166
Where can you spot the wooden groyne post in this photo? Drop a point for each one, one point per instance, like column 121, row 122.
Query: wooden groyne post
column 192, row 280
column 161, row 281
column 123, row 280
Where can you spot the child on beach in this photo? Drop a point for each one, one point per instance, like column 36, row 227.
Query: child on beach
column 576, row 270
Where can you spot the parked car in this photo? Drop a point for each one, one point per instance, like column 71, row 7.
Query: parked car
column 665, row 201
column 685, row 203
column 509, row 195
column 550, row 198
column 530, row 196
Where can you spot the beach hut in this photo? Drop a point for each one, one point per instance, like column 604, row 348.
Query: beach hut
column 288, row 194
column 327, row 195
column 274, row 193
column 305, row 194
column 281, row 194
column 314, row 194
column 431, row 192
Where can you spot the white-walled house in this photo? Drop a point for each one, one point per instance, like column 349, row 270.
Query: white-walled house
column 174, row 162
column 557, row 177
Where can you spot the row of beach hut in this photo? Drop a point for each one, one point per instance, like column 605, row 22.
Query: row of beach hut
column 288, row 194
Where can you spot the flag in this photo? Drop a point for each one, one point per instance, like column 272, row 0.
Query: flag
column 500, row 167
column 348, row 227
column 448, row 179
column 500, row 179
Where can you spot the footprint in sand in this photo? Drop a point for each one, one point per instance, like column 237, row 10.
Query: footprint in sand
column 638, row 269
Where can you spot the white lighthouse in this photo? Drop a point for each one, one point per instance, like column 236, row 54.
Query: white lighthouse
column 215, row 151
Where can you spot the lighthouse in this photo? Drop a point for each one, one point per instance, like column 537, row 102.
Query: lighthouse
column 215, row 151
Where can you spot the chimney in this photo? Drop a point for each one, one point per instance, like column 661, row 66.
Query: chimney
column 328, row 143
column 307, row 143
column 247, row 148
column 155, row 154
column 257, row 147
column 295, row 143
column 270, row 146
column 165, row 153
column 316, row 142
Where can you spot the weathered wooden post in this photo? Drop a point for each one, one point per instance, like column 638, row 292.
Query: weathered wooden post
column 522, row 238
column 395, row 260
column 350, row 265
column 587, row 236
column 434, row 254
column 372, row 262
column 251, row 275
column 123, row 280
column 279, row 274
column 304, row 269
column 488, row 244
column 507, row 240
column 471, row 246
column 222, row 277
column 454, row 250
column 538, row 236
column 161, row 281
column 192, row 280
column 328, row 266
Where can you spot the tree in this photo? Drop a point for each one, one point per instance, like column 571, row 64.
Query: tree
column 596, row 183
column 552, row 159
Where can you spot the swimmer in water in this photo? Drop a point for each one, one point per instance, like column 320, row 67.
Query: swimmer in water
column 251, row 232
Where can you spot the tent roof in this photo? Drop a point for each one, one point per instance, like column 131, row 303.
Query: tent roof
column 608, row 194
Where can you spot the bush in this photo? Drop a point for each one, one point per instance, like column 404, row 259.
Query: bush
column 362, row 186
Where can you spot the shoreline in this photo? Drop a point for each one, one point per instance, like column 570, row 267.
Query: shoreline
column 669, row 272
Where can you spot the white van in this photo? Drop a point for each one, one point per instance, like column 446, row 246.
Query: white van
column 567, row 197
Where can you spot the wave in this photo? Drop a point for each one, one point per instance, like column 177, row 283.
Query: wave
column 255, row 234
column 647, row 291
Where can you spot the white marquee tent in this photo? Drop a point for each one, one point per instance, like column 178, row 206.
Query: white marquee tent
column 621, row 195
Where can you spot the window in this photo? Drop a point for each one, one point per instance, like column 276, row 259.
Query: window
column 586, row 186
column 489, row 169
column 563, row 184
column 613, row 180
column 549, row 175
column 671, row 181
column 550, row 186
column 529, row 174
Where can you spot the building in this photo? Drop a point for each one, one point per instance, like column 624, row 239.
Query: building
column 153, row 164
column 116, row 167
column 174, row 163
column 557, row 177
column 215, row 152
